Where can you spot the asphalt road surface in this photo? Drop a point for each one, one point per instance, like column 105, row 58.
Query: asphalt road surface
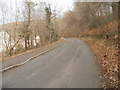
column 70, row 65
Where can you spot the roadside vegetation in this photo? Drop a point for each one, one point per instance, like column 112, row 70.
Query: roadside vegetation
column 34, row 25
column 97, row 24
column 106, row 51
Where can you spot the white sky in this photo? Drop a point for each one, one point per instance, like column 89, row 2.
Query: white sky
column 64, row 5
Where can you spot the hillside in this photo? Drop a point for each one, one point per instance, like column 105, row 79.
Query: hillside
column 104, row 42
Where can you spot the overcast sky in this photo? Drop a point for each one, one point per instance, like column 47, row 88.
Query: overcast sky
column 64, row 5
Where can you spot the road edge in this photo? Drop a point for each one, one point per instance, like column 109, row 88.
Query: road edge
column 26, row 61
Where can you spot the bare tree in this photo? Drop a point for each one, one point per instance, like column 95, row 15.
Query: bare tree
column 51, row 17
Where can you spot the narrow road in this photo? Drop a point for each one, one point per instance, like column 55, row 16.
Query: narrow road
column 71, row 65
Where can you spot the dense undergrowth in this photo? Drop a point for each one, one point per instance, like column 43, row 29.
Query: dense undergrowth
column 104, row 41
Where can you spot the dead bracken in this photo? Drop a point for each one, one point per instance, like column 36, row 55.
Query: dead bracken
column 106, row 52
